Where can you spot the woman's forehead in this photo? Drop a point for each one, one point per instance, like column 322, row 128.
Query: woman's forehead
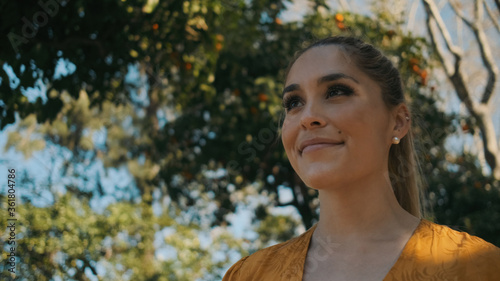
column 322, row 60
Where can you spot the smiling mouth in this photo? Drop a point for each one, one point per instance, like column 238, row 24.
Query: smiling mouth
column 319, row 146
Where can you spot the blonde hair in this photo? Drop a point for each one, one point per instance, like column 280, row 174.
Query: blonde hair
column 404, row 171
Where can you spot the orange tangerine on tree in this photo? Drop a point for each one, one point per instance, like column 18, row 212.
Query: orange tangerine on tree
column 218, row 46
column 278, row 21
column 415, row 68
column 262, row 97
column 339, row 17
column 413, row 61
column 155, row 26
column 188, row 66
column 340, row 25
column 423, row 74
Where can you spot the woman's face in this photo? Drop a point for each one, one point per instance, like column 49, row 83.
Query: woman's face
column 337, row 128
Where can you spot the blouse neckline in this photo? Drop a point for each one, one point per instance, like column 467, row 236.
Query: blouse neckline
column 408, row 246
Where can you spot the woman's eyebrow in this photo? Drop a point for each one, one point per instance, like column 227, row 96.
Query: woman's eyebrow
column 290, row 88
column 324, row 79
column 335, row 76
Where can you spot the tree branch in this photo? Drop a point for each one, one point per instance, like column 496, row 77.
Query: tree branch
column 492, row 16
column 291, row 203
column 478, row 11
column 484, row 46
column 488, row 62
column 458, row 12
column 454, row 75
column 480, row 111
column 432, row 11
column 442, row 59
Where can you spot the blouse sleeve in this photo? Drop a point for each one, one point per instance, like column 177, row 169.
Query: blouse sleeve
column 485, row 260
column 233, row 273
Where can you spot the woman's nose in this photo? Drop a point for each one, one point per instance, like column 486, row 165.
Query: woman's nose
column 312, row 117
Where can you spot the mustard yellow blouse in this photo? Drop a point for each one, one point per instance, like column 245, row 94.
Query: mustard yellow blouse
column 434, row 252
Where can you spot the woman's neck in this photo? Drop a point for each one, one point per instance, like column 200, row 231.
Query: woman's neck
column 362, row 212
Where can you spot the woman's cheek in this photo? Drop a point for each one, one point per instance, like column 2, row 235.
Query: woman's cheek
column 287, row 136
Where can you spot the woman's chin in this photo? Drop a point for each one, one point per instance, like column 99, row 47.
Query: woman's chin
column 320, row 182
column 326, row 179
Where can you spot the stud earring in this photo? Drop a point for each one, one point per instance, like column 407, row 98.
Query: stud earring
column 407, row 118
column 395, row 140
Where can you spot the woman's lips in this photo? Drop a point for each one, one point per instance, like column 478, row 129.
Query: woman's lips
column 314, row 147
column 317, row 143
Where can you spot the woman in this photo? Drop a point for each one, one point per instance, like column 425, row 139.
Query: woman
column 347, row 134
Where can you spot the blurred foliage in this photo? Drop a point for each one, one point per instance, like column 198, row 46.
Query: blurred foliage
column 68, row 238
column 185, row 95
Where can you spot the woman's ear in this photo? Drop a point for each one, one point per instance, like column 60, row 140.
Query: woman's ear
column 402, row 121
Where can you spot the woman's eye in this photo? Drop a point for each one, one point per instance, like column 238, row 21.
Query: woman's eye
column 291, row 102
column 339, row 91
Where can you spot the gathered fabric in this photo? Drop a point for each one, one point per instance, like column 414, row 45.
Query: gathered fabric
column 433, row 252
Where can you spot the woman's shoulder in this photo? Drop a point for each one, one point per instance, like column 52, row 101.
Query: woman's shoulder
column 445, row 237
column 439, row 250
column 276, row 259
column 293, row 246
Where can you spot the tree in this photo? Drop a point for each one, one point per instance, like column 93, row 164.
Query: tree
column 452, row 57
column 71, row 241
